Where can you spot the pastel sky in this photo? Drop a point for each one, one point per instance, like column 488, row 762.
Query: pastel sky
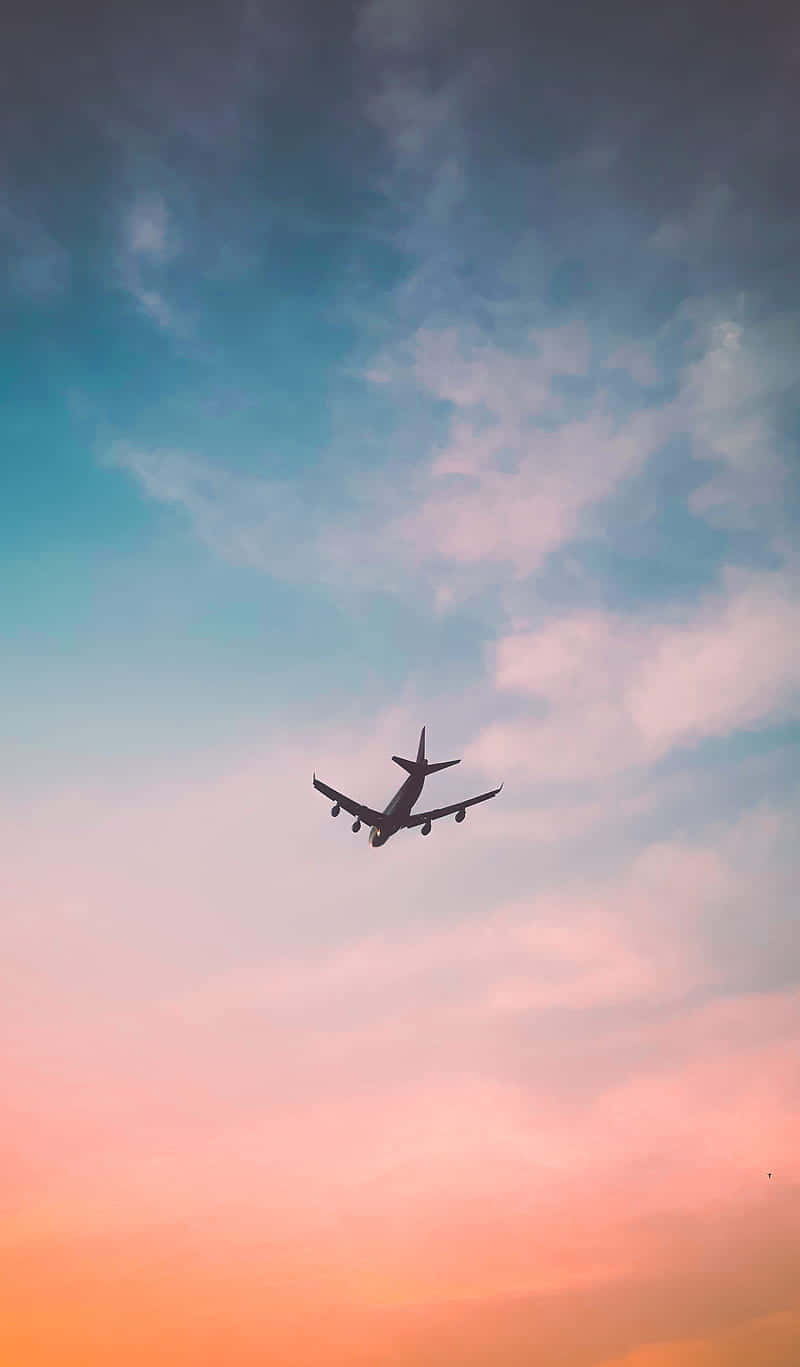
column 365, row 366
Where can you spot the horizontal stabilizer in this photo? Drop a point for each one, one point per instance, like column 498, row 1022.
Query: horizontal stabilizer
column 416, row 766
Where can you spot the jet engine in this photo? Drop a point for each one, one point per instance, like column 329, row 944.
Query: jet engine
column 460, row 815
column 335, row 809
column 425, row 829
column 356, row 825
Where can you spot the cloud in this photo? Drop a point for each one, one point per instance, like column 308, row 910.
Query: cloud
column 39, row 267
column 260, row 523
column 637, row 939
column 638, row 361
column 696, row 229
column 149, row 230
column 523, row 471
column 558, row 953
column 420, row 124
column 723, row 672
column 397, row 27
column 149, row 243
column 614, row 692
column 523, row 465
column 410, row 522
column 731, row 396
column 517, row 472
column 516, row 518
column 563, row 1056
column 155, row 307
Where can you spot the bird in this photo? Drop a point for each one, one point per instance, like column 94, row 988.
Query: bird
column 769, row 1174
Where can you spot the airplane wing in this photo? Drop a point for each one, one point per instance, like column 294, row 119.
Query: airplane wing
column 419, row 818
column 354, row 808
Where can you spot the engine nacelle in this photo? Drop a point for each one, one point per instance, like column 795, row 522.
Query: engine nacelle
column 335, row 809
column 425, row 828
column 356, row 825
column 460, row 815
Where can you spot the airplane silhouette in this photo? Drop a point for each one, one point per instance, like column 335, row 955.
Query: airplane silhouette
column 396, row 816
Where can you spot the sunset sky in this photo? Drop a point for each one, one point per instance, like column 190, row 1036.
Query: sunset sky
column 365, row 366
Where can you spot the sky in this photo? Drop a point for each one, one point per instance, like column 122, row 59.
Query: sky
column 365, row 366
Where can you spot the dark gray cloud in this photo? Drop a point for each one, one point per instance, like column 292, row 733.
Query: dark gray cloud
column 648, row 150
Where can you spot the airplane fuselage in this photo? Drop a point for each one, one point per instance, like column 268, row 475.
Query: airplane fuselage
column 396, row 813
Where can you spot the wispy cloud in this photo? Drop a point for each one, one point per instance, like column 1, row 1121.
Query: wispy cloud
column 261, row 523
column 399, row 27
column 149, row 230
column 39, row 266
column 150, row 243
column 733, row 395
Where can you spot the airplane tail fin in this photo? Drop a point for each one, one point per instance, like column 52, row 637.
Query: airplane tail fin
column 420, row 765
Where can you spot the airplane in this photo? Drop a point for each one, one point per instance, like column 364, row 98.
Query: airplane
column 397, row 816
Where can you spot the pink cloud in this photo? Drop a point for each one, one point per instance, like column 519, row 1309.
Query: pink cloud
column 212, row 1059
column 578, row 945
column 526, row 485
column 516, row 515
column 729, row 668
column 618, row 693
column 517, row 475
column 511, row 385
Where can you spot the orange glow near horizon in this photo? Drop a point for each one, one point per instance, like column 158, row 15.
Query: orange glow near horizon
column 522, row 1134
